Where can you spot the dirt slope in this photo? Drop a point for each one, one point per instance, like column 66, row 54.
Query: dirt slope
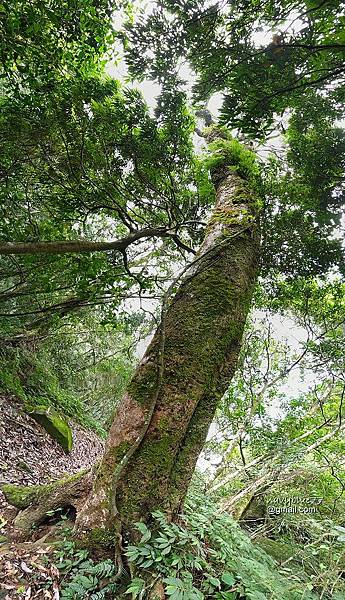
column 28, row 455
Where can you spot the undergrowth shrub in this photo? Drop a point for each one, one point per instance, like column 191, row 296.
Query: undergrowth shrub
column 203, row 556
column 81, row 576
column 208, row 556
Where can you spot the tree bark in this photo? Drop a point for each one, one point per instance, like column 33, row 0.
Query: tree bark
column 162, row 421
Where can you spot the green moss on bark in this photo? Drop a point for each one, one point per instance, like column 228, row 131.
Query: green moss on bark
column 112, row 458
column 203, row 331
column 101, row 541
column 18, row 496
column 235, row 157
column 23, row 496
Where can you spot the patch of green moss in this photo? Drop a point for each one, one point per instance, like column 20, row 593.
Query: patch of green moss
column 191, row 447
column 28, row 375
column 155, row 457
column 18, row 496
column 234, row 216
column 22, row 496
column 143, row 384
column 111, row 460
column 99, row 541
column 57, row 427
column 219, row 130
column 242, row 506
column 101, row 537
column 277, row 549
column 235, row 156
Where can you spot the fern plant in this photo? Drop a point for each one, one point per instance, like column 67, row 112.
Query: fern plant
column 91, row 581
column 206, row 556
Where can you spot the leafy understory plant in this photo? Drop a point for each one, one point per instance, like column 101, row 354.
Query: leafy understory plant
column 206, row 556
column 203, row 556
column 82, row 577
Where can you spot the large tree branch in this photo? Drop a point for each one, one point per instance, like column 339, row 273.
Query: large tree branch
column 77, row 246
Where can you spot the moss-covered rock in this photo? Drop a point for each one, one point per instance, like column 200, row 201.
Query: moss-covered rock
column 57, row 427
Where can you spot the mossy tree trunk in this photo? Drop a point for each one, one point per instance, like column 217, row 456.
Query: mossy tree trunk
column 162, row 421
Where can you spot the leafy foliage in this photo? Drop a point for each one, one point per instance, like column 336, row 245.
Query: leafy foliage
column 81, row 371
column 277, row 450
column 93, row 163
column 96, row 164
column 73, row 36
column 262, row 56
column 207, row 556
column 234, row 154
column 84, row 577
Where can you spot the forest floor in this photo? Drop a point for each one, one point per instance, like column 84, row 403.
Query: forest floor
column 29, row 456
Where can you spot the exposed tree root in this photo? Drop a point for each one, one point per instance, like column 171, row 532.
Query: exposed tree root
column 36, row 501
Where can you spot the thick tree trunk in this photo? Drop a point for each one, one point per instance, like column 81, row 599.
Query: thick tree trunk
column 163, row 419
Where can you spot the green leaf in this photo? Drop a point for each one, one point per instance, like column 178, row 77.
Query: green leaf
column 136, row 587
column 228, row 579
column 214, row 581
